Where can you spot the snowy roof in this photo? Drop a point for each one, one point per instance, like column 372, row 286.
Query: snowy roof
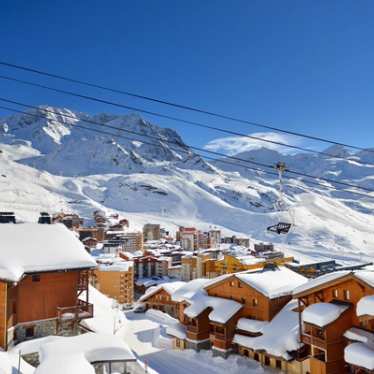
column 360, row 355
column 111, row 262
column 322, row 314
column 189, row 289
column 169, row 287
column 251, row 325
column 273, row 283
column 32, row 247
column 222, row 309
column 365, row 306
column 319, row 281
column 366, row 276
column 74, row 354
column 279, row 336
column 360, row 335
column 172, row 325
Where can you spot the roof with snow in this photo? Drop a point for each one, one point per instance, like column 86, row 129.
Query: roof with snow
column 273, row 283
column 189, row 289
column 32, row 247
column 362, row 275
column 169, row 287
column 279, row 337
column 322, row 314
column 359, row 335
column 75, row 354
column 222, row 309
column 359, row 354
column 365, row 306
column 251, row 325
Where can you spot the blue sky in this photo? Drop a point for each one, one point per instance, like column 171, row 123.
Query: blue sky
column 301, row 65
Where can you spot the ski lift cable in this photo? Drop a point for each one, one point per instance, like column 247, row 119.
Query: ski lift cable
column 176, row 105
column 261, row 164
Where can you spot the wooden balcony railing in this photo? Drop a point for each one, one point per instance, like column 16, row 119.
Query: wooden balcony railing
column 192, row 328
column 74, row 313
column 314, row 340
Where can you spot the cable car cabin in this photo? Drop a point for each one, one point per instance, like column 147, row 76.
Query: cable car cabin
column 280, row 228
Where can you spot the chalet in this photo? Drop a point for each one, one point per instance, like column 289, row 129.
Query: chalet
column 160, row 298
column 330, row 317
column 44, row 270
column 261, row 294
column 70, row 220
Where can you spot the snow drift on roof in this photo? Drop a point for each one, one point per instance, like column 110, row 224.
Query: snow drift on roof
column 360, row 335
column 319, row 281
column 365, row 306
column 223, row 309
column 279, row 336
column 322, row 314
column 273, row 283
column 189, row 289
column 32, row 247
column 366, row 276
column 360, row 355
column 251, row 325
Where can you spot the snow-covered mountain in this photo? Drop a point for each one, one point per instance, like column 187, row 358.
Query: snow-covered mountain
column 55, row 163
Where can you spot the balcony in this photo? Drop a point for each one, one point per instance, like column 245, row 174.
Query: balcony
column 192, row 328
column 314, row 340
column 77, row 312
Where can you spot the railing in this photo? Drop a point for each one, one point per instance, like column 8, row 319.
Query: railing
column 218, row 336
column 313, row 340
column 73, row 313
column 192, row 328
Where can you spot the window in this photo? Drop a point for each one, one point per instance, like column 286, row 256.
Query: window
column 278, row 364
column 242, row 300
column 335, row 293
column 267, row 360
column 254, row 302
column 256, row 357
column 29, row 332
column 347, row 295
column 232, row 284
column 36, row 278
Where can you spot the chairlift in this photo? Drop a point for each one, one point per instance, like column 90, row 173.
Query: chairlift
column 280, row 227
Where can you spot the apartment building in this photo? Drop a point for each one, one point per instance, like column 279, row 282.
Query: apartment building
column 151, row 232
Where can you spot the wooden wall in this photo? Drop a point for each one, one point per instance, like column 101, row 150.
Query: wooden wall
column 37, row 300
column 3, row 315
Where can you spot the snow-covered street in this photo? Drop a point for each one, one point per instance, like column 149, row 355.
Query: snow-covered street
column 148, row 340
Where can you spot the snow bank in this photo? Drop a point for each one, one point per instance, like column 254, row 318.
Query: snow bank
column 279, row 336
column 32, row 247
column 106, row 317
column 251, row 325
column 365, row 306
column 273, row 283
column 360, row 355
column 172, row 326
column 322, row 314
column 74, row 354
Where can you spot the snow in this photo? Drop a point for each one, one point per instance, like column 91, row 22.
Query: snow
column 32, row 247
column 279, row 336
column 366, row 276
column 251, row 325
column 110, row 262
column 360, row 355
column 322, row 314
column 74, row 354
column 190, row 289
column 319, row 281
column 359, row 335
column 365, row 306
column 50, row 165
column 223, row 309
column 107, row 319
column 169, row 288
column 146, row 335
column 173, row 326
column 273, row 283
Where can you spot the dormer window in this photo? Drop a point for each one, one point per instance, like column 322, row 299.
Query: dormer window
column 36, row 278
column 335, row 293
column 347, row 295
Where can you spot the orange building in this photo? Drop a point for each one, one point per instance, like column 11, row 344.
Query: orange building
column 114, row 277
column 44, row 271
